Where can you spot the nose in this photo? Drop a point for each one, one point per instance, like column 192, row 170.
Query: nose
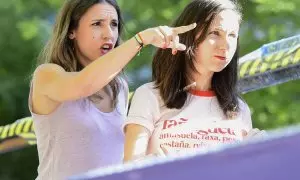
column 107, row 33
column 224, row 43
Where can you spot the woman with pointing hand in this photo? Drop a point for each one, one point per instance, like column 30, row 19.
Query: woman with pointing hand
column 78, row 98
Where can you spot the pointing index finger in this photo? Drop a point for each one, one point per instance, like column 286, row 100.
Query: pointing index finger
column 183, row 29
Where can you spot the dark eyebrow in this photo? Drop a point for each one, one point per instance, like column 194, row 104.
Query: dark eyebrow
column 101, row 20
column 219, row 29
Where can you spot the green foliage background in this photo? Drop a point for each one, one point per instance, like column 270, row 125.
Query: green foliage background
column 25, row 26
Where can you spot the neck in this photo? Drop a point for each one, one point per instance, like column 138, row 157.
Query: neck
column 202, row 81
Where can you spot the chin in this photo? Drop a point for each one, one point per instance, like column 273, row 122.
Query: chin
column 218, row 69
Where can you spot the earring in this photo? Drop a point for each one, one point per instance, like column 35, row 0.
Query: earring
column 71, row 35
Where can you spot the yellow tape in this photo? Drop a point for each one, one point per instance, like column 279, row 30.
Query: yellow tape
column 33, row 142
column 4, row 132
column 244, row 68
column 20, row 126
column 274, row 61
column 12, row 129
column 286, row 61
column 278, row 56
column 27, row 126
column 254, row 67
column 32, row 127
column 274, row 65
column 264, row 67
column 268, row 58
column 28, row 136
column 296, row 57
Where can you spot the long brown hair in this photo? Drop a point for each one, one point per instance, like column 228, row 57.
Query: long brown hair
column 60, row 48
column 171, row 72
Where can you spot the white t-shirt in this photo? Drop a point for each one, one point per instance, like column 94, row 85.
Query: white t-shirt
column 198, row 124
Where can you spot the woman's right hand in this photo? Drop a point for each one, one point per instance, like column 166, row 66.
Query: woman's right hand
column 166, row 37
column 161, row 152
column 254, row 133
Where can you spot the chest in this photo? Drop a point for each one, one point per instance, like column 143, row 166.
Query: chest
column 103, row 101
column 187, row 135
column 198, row 126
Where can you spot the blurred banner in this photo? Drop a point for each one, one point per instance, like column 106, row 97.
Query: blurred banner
column 272, row 64
column 275, row 157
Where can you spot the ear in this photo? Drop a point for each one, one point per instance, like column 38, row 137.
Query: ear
column 72, row 35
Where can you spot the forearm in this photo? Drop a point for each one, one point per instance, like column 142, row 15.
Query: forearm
column 136, row 142
column 101, row 71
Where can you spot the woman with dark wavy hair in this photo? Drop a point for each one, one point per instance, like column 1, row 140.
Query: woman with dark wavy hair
column 192, row 102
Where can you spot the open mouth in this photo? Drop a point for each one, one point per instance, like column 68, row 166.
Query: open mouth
column 105, row 48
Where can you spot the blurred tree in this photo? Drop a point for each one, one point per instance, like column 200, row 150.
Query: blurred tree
column 25, row 26
column 266, row 21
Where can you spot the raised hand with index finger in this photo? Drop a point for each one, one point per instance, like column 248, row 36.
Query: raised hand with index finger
column 165, row 37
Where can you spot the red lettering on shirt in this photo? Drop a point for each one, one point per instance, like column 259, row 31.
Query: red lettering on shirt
column 172, row 123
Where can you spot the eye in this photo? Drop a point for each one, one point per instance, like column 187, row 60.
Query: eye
column 217, row 33
column 114, row 24
column 98, row 23
column 233, row 35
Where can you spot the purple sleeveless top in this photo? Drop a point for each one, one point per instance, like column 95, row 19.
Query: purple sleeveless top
column 78, row 137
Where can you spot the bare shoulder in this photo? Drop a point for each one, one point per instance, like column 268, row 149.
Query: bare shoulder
column 46, row 74
column 43, row 75
column 45, row 70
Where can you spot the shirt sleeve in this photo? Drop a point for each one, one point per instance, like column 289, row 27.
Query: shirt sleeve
column 126, row 92
column 144, row 108
column 246, row 115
